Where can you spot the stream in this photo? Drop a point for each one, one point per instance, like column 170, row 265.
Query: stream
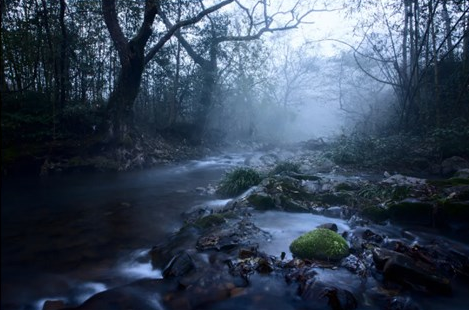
column 70, row 236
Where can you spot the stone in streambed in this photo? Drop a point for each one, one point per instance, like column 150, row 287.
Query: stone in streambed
column 399, row 268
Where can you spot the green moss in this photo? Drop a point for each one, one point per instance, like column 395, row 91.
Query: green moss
column 209, row 221
column 408, row 211
column 321, row 243
column 261, row 201
column 237, row 181
column 375, row 214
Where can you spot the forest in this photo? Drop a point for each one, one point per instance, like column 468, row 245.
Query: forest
column 234, row 154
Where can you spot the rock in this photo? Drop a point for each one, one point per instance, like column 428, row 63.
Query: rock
column 179, row 265
column 412, row 211
column 53, row 305
column 375, row 213
column 354, row 264
column 322, row 244
column 261, row 201
column 402, row 180
column 368, row 235
column 453, row 164
column 402, row 303
column 335, row 212
column 462, row 173
column 291, row 205
column 327, row 297
column 209, row 221
column 330, row 226
column 402, row 269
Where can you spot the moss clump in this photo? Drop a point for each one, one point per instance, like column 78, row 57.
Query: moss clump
column 321, row 243
column 209, row 221
column 237, row 181
column 286, row 166
column 261, row 201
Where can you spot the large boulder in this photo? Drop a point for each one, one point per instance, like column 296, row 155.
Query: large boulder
column 322, row 244
column 399, row 268
column 453, row 164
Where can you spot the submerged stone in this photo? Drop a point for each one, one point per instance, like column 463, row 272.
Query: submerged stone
column 321, row 243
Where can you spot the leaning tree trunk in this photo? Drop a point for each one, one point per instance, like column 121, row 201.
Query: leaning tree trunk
column 121, row 101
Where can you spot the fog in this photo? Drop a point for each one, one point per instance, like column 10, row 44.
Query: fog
column 306, row 85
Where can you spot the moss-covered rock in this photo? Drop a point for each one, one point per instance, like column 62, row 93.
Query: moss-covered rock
column 291, row 205
column 411, row 211
column 261, row 201
column 208, row 221
column 321, row 243
column 375, row 213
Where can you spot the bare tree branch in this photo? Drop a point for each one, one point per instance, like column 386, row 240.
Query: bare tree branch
column 173, row 28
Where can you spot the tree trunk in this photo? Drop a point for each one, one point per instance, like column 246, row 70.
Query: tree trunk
column 63, row 60
column 3, row 82
column 120, row 105
column 449, row 41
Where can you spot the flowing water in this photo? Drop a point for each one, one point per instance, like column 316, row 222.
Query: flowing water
column 70, row 236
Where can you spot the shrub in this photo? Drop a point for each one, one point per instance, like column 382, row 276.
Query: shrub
column 286, row 166
column 321, row 243
column 237, row 181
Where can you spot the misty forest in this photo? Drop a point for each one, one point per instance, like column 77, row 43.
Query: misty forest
column 234, row 154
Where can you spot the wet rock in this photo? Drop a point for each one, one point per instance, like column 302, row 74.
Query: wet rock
column 130, row 296
column 412, row 211
column 453, row 164
column 291, row 205
column 242, row 233
column 354, row 264
column 370, row 236
column 462, row 173
column 375, row 213
column 454, row 214
column 53, row 305
column 179, row 265
column 402, row 303
column 402, row 180
column 330, row 226
column 402, row 269
column 209, row 221
column 335, row 212
column 261, row 201
column 326, row 296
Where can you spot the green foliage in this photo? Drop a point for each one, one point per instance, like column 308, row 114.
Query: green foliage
column 26, row 117
column 237, row 181
column 451, row 140
column 286, row 166
column 408, row 150
column 383, row 192
column 321, row 243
